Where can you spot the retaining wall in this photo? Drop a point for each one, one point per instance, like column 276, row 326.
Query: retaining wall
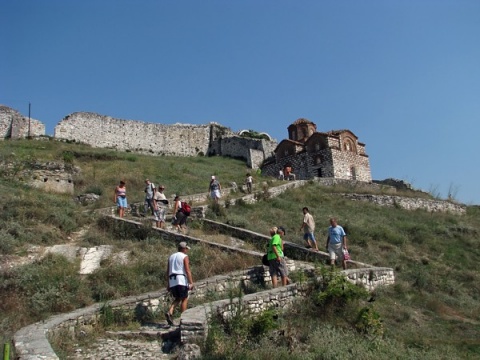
column 411, row 203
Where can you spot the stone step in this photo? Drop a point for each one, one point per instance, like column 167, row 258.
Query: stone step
column 165, row 332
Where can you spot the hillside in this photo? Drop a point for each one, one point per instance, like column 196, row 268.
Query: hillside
column 433, row 306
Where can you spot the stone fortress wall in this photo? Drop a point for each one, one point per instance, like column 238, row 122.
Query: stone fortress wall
column 158, row 139
column 14, row 125
column 138, row 136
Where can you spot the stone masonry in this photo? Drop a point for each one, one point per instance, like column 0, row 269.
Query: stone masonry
column 14, row 125
column 158, row 139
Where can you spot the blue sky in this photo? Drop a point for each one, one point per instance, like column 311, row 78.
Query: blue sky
column 404, row 76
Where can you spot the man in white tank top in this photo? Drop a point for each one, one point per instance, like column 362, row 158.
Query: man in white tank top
column 179, row 279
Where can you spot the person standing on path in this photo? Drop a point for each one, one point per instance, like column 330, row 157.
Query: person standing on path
column 160, row 203
column 179, row 280
column 149, row 193
column 336, row 242
column 179, row 217
column 281, row 232
column 249, row 183
column 308, row 226
column 215, row 189
column 120, row 198
column 276, row 259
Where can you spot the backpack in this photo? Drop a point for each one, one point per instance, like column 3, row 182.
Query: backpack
column 265, row 260
column 186, row 208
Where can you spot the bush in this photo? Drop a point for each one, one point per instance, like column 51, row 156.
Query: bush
column 51, row 285
column 334, row 291
column 7, row 242
column 369, row 322
column 68, row 157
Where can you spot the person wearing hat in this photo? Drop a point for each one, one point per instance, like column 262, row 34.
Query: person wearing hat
column 160, row 203
column 179, row 280
column 215, row 189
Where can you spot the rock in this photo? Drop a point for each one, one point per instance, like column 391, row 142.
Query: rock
column 189, row 352
column 87, row 198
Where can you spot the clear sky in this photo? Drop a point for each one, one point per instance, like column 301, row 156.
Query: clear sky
column 403, row 75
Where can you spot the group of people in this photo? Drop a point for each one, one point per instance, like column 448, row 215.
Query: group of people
column 336, row 244
column 179, row 275
column 156, row 202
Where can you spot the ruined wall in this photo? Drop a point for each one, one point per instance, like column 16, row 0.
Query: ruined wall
column 411, row 203
column 14, row 125
column 107, row 132
column 158, row 139
column 50, row 177
column 254, row 151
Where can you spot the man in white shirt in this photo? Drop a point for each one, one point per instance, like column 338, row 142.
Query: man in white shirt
column 308, row 226
column 179, row 279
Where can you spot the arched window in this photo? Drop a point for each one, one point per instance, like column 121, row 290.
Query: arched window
column 318, row 160
column 348, row 145
column 317, row 147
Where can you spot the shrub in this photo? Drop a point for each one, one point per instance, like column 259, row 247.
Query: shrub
column 50, row 285
column 335, row 291
column 369, row 322
column 68, row 157
column 7, row 242
column 110, row 316
column 263, row 324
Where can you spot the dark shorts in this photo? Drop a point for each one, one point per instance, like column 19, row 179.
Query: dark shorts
column 181, row 218
column 179, row 292
column 278, row 267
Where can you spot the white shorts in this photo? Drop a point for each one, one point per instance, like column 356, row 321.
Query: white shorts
column 335, row 251
column 215, row 194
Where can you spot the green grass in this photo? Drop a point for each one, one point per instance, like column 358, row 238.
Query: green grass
column 431, row 312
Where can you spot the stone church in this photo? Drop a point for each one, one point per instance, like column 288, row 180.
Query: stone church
column 334, row 154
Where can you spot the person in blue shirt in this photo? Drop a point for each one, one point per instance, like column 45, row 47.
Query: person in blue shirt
column 336, row 242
